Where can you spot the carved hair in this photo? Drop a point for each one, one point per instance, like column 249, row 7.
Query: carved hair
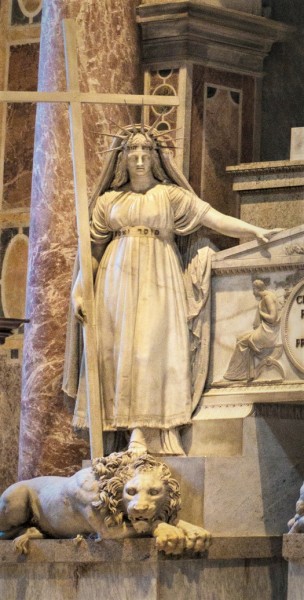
column 116, row 470
column 259, row 284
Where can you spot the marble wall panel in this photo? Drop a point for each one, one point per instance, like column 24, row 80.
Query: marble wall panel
column 283, row 88
column 85, row 582
column 20, row 125
column 223, row 580
column 221, row 142
column 25, row 12
column 222, row 133
column 13, row 277
column 274, row 208
column 10, row 386
column 295, row 581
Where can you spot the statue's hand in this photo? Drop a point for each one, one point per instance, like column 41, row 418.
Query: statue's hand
column 78, row 307
column 264, row 235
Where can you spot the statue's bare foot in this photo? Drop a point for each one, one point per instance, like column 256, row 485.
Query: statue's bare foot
column 137, row 444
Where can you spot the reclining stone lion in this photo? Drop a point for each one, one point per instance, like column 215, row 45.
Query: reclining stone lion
column 119, row 496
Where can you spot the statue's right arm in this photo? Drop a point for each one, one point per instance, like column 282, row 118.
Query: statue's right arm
column 77, row 292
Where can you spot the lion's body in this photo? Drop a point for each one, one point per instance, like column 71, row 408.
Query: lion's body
column 120, row 496
column 59, row 506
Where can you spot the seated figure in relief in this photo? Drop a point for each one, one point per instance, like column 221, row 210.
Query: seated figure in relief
column 151, row 348
column 259, row 341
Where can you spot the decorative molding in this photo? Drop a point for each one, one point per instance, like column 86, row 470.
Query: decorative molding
column 218, row 37
column 261, row 268
column 283, row 166
column 271, row 191
column 294, row 249
column 287, row 392
column 30, row 8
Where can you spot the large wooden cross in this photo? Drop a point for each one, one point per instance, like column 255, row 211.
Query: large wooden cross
column 75, row 98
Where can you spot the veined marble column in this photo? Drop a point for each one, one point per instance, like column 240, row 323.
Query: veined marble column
column 109, row 62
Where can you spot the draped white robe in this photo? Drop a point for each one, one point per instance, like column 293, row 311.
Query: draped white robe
column 142, row 307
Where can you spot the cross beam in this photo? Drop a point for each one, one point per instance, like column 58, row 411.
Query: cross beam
column 75, row 98
column 88, row 98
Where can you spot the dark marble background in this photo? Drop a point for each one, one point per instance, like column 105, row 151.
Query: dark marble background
column 283, row 84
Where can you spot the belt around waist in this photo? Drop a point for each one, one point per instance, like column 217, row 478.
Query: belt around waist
column 144, row 232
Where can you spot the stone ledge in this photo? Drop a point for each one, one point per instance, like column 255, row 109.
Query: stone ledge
column 141, row 550
column 266, row 167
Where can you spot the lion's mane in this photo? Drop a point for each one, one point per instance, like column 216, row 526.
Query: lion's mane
column 115, row 470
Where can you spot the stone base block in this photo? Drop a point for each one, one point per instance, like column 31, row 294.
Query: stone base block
column 233, row 568
column 293, row 551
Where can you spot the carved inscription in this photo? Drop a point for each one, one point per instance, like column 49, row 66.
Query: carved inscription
column 293, row 326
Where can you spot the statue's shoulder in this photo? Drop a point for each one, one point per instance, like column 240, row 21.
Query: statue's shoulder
column 175, row 191
column 170, row 187
column 109, row 197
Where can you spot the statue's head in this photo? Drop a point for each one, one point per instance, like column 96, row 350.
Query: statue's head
column 139, row 154
column 258, row 287
column 157, row 146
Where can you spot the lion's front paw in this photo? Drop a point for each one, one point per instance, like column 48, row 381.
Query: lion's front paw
column 21, row 543
column 169, row 539
column 198, row 539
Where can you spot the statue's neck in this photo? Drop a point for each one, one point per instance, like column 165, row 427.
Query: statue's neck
column 142, row 183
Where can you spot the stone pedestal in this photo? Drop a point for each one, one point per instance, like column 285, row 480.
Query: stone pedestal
column 233, row 568
column 250, row 473
column 293, row 552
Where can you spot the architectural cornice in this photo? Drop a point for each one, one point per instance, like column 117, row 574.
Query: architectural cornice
column 218, row 37
column 253, row 178
column 275, row 166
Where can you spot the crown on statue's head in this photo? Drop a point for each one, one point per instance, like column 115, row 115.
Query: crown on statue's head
column 155, row 139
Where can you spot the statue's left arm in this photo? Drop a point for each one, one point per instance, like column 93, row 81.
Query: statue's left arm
column 235, row 227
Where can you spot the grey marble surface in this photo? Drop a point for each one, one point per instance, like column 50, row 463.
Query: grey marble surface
column 293, row 547
column 283, row 90
column 255, row 494
column 224, row 580
column 233, row 569
column 295, row 581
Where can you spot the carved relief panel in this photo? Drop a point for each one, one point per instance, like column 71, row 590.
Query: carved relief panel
column 257, row 328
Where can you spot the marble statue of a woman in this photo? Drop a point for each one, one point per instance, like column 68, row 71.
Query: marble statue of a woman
column 143, row 303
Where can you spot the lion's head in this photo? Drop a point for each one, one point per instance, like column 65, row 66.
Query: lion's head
column 140, row 489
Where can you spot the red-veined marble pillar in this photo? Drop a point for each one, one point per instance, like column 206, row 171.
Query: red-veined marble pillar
column 109, row 59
